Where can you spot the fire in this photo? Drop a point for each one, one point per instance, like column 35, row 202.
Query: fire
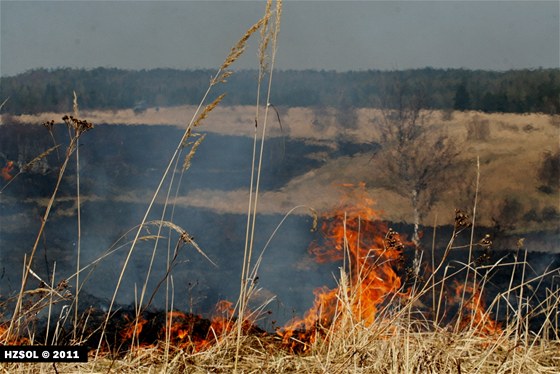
column 373, row 257
column 6, row 170
column 186, row 331
column 12, row 340
column 183, row 331
column 222, row 321
column 474, row 313
column 374, row 253
column 129, row 331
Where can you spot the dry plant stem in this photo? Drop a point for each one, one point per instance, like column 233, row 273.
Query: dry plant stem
column 15, row 316
column 434, row 266
column 248, row 256
column 167, row 273
column 169, row 322
column 250, row 223
column 243, row 278
column 253, row 195
column 50, row 306
column 54, row 144
column 169, row 285
column 520, row 301
column 471, row 242
column 511, row 279
column 4, row 102
column 79, row 243
column 154, row 250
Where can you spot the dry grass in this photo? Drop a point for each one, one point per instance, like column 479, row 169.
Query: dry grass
column 399, row 341
column 412, row 327
column 509, row 159
column 410, row 353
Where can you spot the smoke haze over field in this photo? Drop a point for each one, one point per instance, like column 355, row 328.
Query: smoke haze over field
column 139, row 169
column 339, row 35
column 120, row 166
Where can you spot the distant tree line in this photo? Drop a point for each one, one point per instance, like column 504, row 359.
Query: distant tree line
column 516, row 91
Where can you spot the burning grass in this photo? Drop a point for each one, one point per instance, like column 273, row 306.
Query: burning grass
column 379, row 319
column 398, row 336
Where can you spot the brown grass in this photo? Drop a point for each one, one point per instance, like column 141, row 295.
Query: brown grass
column 404, row 336
column 510, row 158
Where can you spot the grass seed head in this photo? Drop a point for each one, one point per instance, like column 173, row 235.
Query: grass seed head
column 48, row 125
column 461, row 219
column 236, row 51
column 188, row 158
column 30, row 164
column 208, row 109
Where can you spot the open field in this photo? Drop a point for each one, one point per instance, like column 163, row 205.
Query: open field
column 360, row 241
column 510, row 151
column 510, row 148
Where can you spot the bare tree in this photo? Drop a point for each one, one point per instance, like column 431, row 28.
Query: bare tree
column 417, row 159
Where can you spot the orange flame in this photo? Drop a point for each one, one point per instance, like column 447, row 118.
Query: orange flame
column 374, row 252
column 128, row 332
column 474, row 313
column 12, row 340
column 188, row 331
column 6, row 170
column 222, row 320
column 181, row 329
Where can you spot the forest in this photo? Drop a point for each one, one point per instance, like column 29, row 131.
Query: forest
column 513, row 91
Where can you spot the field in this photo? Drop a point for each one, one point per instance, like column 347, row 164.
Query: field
column 401, row 326
column 510, row 149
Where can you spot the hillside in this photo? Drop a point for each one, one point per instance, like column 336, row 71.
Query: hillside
column 324, row 152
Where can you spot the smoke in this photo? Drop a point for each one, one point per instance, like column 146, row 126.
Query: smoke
column 120, row 167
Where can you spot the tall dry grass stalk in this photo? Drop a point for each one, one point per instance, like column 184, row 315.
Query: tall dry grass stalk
column 220, row 77
column 471, row 242
column 267, row 33
column 79, row 219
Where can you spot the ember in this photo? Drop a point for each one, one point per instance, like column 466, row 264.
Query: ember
column 186, row 331
column 6, row 170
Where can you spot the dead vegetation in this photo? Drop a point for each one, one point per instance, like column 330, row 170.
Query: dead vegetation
column 382, row 317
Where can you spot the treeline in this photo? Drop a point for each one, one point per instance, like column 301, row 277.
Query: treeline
column 515, row 91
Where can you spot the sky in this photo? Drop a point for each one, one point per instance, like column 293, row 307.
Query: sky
column 330, row 35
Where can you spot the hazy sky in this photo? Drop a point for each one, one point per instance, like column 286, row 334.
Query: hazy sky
column 339, row 35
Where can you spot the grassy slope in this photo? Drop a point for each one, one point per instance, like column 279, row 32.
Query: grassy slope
column 510, row 155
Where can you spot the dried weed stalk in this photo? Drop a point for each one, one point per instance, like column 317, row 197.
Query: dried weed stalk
column 80, row 127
